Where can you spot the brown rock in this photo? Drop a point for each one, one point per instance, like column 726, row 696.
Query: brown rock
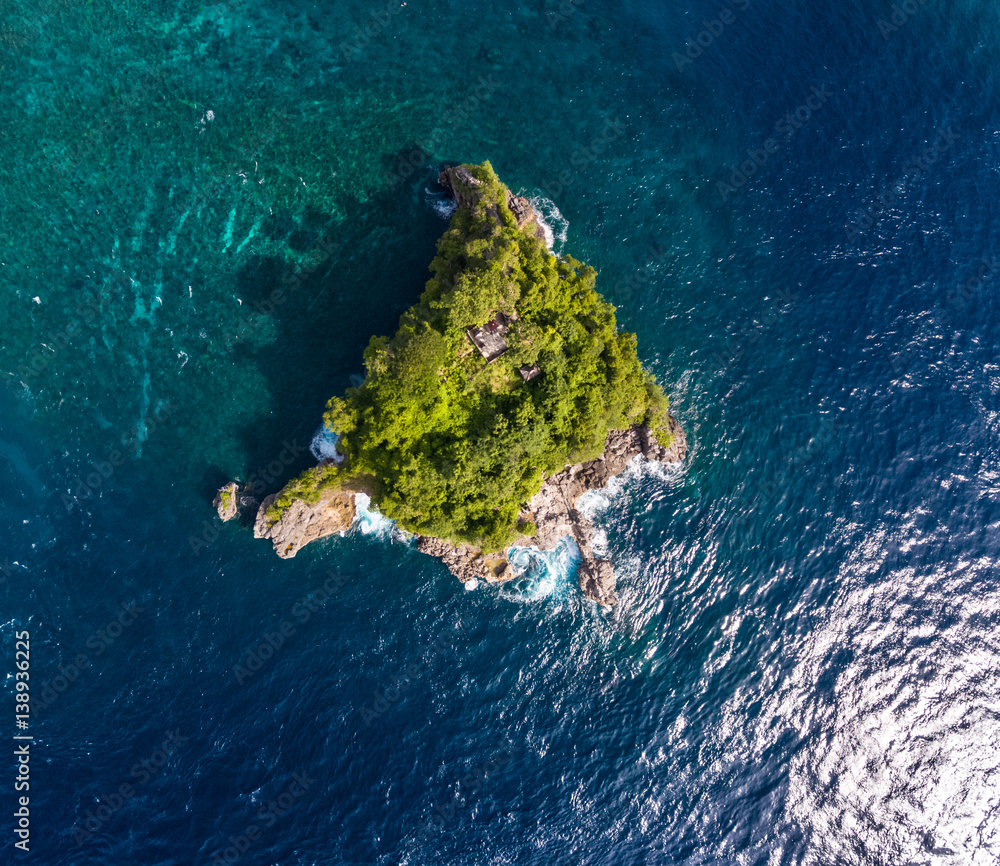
column 233, row 500
column 597, row 581
column 525, row 214
column 553, row 508
column 459, row 181
column 498, row 569
column 303, row 522
column 225, row 501
column 465, row 561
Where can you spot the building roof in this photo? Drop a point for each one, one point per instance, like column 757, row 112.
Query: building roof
column 489, row 338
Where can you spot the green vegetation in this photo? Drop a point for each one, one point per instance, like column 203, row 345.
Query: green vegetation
column 314, row 483
column 453, row 446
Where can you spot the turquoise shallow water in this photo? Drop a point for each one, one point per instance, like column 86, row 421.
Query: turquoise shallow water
column 803, row 666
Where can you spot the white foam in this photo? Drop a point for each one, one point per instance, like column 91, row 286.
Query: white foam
column 324, row 445
column 443, row 206
column 639, row 467
column 541, row 573
column 591, row 503
column 553, row 223
column 369, row 521
column 438, row 200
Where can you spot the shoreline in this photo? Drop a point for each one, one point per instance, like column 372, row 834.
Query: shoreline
column 320, row 504
column 552, row 509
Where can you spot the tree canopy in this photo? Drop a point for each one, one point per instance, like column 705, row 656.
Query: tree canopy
column 454, row 446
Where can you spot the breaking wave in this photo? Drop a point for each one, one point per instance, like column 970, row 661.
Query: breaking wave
column 553, row 223
column 369, row 521
column 324, row 445
column 541, row 574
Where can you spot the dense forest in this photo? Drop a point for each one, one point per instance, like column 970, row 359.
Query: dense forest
column 452, row 445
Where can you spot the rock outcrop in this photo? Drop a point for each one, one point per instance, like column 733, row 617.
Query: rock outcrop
column 466, row 562
column 303, row 522
column 553, row 508
column 233, row 501
column 553, row 511
column 458, row 180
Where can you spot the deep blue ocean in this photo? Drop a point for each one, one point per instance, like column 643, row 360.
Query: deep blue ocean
column 795, row 205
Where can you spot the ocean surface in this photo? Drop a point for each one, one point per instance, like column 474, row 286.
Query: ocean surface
column 206, row 210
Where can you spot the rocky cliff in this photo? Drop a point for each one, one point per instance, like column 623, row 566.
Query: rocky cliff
column 551, row 375
column 234, row 500
column 303, row 522
column 462, row 185
column 553, row 511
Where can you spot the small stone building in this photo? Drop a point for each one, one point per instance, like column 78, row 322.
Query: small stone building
column 490, row 338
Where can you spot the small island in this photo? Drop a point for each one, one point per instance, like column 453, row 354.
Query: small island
column 506, row 393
